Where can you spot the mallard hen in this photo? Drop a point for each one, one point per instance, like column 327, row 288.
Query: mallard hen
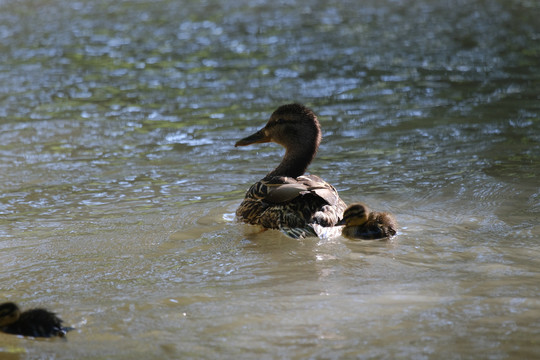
column 34, row 322
column 285, row 198
column 361, row 223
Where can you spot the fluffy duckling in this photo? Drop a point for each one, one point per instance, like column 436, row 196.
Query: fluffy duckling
column 361, row 223
column 34, row 322
column 285, row 198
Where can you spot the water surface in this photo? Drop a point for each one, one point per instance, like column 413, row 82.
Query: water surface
column 119, row 178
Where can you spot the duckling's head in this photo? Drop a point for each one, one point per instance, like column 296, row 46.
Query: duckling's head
column 9, row 313
column 355, row 215
column 292, row 126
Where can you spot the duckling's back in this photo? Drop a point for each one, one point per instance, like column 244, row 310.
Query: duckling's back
column 37, row 323
column 379, row 225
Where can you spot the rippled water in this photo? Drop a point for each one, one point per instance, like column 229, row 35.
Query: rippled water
column 119, row 179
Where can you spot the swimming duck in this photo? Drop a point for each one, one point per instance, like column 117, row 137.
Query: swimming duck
column 361, row 223
column 285, row 198
column 34, row 322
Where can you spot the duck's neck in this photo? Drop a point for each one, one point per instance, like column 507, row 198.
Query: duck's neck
column 294, row 162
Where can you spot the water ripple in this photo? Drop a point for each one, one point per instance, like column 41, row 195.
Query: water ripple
column 119, row 176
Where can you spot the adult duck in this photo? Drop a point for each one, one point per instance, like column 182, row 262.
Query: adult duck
column 33, row 322
column 285, row 198
column 361, row 223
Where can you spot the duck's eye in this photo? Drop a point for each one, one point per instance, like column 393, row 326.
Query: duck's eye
column 280, row 121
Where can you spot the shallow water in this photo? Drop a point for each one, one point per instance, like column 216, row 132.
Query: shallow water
column 119, row 179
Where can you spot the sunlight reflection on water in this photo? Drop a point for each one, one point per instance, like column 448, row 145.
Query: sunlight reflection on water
column 120, row 178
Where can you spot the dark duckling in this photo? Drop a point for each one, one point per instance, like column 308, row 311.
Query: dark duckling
column 285, row 198
column 34, row 322
column 361, row 223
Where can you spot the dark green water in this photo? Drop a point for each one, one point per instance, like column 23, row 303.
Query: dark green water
column 119, row 178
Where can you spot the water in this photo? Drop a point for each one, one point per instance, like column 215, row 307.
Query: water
column 119, row 179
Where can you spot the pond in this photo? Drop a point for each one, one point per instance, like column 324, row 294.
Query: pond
column 119, row 178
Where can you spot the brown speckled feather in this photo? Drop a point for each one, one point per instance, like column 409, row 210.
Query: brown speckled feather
column 284, row 202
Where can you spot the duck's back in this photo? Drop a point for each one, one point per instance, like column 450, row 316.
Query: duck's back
column 287, row 203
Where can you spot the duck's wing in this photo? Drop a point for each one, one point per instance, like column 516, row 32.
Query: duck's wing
column 268, row 200
column 282, row 193
column 321, row 188
column 282, row 189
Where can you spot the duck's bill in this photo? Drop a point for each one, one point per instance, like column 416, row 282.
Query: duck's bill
column 258, row 137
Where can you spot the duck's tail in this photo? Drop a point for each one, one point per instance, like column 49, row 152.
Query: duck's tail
column 327, row 232
column 299, row 233
column 313, row 230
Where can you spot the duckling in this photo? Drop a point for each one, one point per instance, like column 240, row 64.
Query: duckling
column 285, row 198
column 361, row 223
column 34, row 322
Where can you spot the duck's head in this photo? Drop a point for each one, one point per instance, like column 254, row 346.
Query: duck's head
column 291, row 125
column 296, row 128
column 355, row 215
column 9, row 313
